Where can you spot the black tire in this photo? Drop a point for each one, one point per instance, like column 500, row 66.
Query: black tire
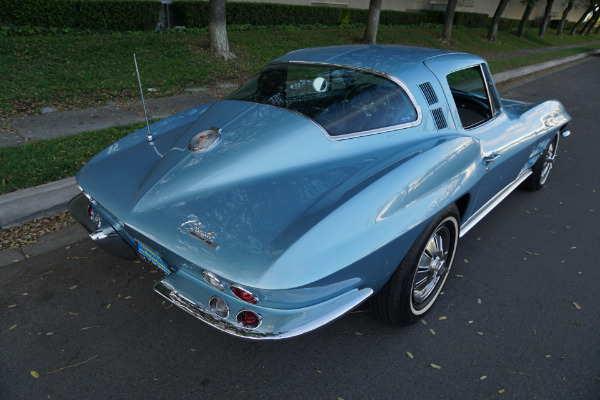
column 541, row 169
column 412, row 291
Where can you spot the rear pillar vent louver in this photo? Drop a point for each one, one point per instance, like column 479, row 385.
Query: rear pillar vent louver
column 440, row 120
column 429, row 93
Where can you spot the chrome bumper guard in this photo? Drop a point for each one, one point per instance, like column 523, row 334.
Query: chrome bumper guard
column 181, row 290
column 104, row 234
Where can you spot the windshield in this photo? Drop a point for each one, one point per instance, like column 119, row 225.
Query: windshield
column 341, row 100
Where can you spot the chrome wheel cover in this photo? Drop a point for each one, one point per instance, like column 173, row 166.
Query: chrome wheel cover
column 433, row 265
column 548, row 162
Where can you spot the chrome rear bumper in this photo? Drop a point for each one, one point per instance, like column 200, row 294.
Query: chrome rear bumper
column 102, row 233
column 185, row 292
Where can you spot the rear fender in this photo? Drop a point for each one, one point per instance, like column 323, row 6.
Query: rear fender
column 368, row 235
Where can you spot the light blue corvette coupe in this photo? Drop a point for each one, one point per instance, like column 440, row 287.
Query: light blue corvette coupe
column 335, row 175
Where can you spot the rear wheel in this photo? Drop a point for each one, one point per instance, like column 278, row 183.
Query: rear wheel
column 415, row 285
column 543, row 166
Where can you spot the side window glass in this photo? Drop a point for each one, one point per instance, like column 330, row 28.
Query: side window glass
column 471, row 96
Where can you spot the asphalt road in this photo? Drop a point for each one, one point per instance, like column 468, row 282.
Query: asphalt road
column 519, row 318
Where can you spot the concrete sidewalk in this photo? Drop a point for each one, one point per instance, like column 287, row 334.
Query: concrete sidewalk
column 19, row 130
column 51, row 198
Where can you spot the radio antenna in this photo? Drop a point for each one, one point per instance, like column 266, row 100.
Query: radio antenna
column 150, row 138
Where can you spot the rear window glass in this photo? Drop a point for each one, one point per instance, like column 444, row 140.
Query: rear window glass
column 341, row 100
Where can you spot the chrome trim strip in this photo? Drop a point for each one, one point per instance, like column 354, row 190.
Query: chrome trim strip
column 492, row 203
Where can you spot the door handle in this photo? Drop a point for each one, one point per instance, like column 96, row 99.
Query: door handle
column 490, row 158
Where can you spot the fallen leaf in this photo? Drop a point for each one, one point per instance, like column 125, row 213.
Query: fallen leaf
column 12, row 327
column 466, row 261
column 577, row 306
column 501, row 391
column 108, row 306
column 483, row 377
column 358, row 333
column 424, row 322
column 14, row 305
column 35, row 374
column 49, row 333
column 409, row 354
column 436, row 366
column 480, row 333
column 478, row 301
column 458, row 276
column 470, row 322
column 432, row 331
column 548, row 355
column 442, row 318
column 73, row 287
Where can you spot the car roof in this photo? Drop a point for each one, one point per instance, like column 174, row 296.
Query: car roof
column 389, row 59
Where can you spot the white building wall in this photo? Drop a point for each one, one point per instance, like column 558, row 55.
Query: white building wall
column 514, row 10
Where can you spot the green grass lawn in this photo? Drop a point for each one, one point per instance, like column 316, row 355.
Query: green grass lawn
column 48, row 160
column 69, row 72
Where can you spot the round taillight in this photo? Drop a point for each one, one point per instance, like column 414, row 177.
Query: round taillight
column 90, row 211
column 243, row 294
column 248, row 319
column 219, row 306
column 212, row 280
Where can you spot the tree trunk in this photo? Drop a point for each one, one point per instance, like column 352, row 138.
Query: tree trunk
column 588, row 27
column 546, row 18
column 370, row 36
column 448, row 20
column 524, row 21
column 493, row 32
column 217, row 30
column 563, row 20
column 580, row 21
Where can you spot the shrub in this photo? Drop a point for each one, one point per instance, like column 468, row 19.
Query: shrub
column 124, row 15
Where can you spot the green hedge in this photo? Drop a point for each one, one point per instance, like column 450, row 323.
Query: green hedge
column 123, row 15
column 194, row 14
column 136, row 15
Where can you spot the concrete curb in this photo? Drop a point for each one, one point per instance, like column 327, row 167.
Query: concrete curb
column 535, row 68
column 36, row 202
column 52, row 198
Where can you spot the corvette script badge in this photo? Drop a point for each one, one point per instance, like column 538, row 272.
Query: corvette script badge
column 193, row 227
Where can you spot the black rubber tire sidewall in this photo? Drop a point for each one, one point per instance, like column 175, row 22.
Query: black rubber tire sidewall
column 393, row 302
